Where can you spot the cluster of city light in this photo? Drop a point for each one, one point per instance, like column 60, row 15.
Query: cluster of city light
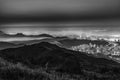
column 111, row 50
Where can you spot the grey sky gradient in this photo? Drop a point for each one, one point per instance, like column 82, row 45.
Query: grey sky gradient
column 63, row 6
column 47, row 8
column 28, row 16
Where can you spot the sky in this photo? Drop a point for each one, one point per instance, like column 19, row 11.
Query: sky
column 63, row 16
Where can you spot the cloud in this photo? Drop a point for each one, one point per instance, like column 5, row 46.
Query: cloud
column 59, row 10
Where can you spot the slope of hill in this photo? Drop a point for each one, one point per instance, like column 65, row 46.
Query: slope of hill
column 4, row 45
column 54, row 58
column 44, row 35
column 75, row 42
column 2, row 34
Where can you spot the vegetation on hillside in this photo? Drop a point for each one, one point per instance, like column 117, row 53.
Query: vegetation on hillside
column 46, row 61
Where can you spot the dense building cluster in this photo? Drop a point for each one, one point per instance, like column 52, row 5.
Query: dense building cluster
column 112, row 49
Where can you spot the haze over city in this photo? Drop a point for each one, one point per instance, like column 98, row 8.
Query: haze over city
column 60, row 40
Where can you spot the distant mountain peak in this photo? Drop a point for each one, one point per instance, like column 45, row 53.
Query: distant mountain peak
column 19, row 34
column 47, row 35
column 40, row 35
column 46, row 45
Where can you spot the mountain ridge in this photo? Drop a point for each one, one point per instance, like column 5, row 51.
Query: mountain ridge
column 3, row 34
column 45, row 49
column 53, row 58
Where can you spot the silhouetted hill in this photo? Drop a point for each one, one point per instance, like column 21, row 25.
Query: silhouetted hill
column 23, row 35
column 59, row 59
column 2, row 34
column 4, row 45
column 75, row 42
column 18, row 35
column 44, row 35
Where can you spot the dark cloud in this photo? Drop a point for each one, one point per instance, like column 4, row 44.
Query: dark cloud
column 59, row 10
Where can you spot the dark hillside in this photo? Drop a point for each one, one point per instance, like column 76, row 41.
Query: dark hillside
column 62, row 60
column 75, row 42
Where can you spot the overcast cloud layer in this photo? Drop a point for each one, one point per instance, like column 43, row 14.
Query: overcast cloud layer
column 48, row 10
column 34, row 16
